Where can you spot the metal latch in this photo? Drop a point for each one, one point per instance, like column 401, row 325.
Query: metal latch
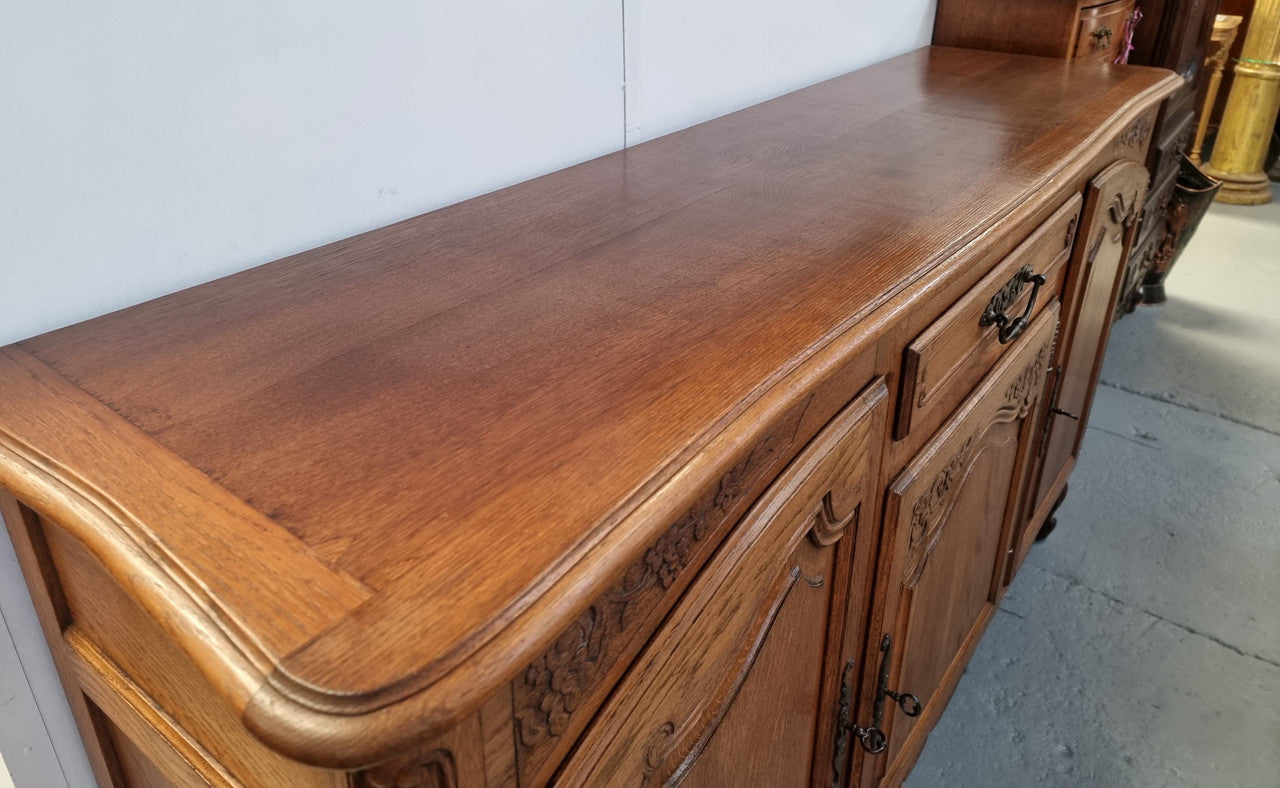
column 872, row 738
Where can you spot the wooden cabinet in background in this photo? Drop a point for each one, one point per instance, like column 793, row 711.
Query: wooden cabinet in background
column 1172, row 34
column 1079, row 29
column 696, row 464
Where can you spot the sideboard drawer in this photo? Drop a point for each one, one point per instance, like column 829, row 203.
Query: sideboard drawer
column 949, row 357
column 1102, row 31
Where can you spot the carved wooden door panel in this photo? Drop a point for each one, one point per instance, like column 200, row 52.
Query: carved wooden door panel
column 948, row 518
column 730, row 691
column 1112, row 204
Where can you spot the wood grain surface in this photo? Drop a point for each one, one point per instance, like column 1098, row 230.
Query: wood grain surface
column 425, row 450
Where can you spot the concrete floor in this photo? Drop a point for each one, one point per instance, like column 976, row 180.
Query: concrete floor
column 1140, row 644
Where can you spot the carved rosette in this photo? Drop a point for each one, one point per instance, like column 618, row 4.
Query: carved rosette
column 553, row 688
column 430, row 769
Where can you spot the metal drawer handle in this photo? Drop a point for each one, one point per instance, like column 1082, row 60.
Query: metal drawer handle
column 1008, row 330
column 1098, row 36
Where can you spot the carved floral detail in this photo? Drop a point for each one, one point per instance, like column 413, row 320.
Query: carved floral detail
column 1175, row 223
column 1137, row 133
column 431, row 769
column 555, row 686
column 563, row 674
column 1025, row 389
column 672, row 551
column 930, row 509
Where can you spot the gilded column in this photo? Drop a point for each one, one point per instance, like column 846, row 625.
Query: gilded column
column 1224, row 34
column 1245, row 133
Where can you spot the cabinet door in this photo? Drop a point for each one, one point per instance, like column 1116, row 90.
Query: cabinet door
column 948, row 519
column 731, row 689
column 1112, row 204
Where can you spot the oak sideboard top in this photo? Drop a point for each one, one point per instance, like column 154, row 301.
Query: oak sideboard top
column 364, row 484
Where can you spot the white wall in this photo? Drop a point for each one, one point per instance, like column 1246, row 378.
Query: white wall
column 148, row 145
column 690, row 61
column 152, row 145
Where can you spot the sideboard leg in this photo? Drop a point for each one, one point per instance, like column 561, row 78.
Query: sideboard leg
column 1051, row 521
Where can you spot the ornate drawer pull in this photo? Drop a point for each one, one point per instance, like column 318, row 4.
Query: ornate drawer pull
column 995, row 314
column 1102, row 38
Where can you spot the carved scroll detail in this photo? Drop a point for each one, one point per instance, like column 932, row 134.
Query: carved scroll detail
column 931, row 508
column 553, row 688
column 431, row 769
column 1096, row 246
column 828, row 525
column 1123, row 212
column 654, row 753
column 1025, row 389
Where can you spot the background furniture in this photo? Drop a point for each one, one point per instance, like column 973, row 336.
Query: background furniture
column 1220, row 43
column 705, row 461
column 1244, row 10
column 1171, row 34
column 1245, row 136
column 1077, row 29
column 1174, row 34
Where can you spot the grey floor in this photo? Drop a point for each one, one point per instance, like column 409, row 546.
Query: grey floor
column 1140, row 644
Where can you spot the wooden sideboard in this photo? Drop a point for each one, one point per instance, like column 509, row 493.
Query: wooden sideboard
column 705, row 462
